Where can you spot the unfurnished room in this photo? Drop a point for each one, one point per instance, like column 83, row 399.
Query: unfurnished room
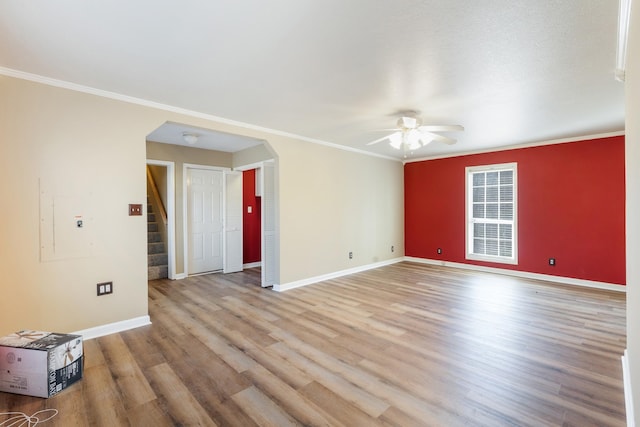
column 393, row 213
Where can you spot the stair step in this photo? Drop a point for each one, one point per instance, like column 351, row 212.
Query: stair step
column 154, row 236
column 158, row 272
column 155, row 248
column 157, row 259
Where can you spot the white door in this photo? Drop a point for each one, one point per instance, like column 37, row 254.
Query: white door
column 269, row 226
column 204, row 210
column 233, row 222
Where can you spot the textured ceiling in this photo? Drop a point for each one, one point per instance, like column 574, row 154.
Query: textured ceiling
column 511, row 72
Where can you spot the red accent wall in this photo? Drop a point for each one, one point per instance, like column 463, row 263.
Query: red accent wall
column 251, row 221
column 571, row 207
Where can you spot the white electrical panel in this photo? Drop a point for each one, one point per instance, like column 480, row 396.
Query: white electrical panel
column 65, row 225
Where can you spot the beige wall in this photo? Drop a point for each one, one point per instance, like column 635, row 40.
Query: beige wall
column 632, row 157
column 75, row 144
column 181, row 155
column 331, row 202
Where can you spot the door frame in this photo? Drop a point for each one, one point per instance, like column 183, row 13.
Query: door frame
column 185, row 210
column 232, row 224
column 269, row 246
column 170, row 210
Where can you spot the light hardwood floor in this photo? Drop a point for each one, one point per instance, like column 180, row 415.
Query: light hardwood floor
column 401, row 345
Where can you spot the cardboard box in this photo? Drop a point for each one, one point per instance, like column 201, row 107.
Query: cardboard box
column 38, row 363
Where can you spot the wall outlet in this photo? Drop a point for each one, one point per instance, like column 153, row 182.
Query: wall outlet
column 350, row 255
column 439, row 250
column 392, row 248
column 104, row 288
column 552, row 261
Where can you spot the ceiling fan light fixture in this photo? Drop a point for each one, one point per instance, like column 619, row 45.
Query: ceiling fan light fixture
column 411, row 135
column 413, row 139
column 190, row 138
column 406, row 122
column 395, row 140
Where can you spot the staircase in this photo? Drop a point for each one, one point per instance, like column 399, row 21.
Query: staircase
column 156, row 250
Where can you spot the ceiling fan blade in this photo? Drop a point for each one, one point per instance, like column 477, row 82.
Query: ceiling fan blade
column 439, row 138
column 441, row 128
column 379, row 140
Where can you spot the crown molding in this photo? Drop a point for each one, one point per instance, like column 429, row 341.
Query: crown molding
column 165, row 107
column 519, row 146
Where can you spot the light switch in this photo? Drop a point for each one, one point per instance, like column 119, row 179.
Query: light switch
column 249, row 209
column 135, row 210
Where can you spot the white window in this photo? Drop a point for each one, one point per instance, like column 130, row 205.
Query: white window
column 492, row 210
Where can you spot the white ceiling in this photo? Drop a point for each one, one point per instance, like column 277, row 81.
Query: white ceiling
column 510, row 71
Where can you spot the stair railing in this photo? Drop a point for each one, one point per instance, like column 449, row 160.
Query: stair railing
column 157, row 200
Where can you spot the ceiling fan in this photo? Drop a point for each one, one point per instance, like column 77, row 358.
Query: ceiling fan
column 411, row 134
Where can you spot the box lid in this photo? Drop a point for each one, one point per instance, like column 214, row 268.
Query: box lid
column 22, row 338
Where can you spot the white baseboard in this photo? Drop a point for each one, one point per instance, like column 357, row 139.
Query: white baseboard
column 334, row 275
column 524, row 274
column 628, row 397
column 252, row 264
column 180, row 276
column 112, row 328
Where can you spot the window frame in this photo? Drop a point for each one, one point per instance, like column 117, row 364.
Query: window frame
column 469, row 220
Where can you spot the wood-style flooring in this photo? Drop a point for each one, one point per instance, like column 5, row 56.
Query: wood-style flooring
column 402, row 345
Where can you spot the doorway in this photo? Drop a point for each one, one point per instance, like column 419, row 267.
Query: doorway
column 213, row 219
column 265, row 190
column 168, row 142
column 164, row 179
